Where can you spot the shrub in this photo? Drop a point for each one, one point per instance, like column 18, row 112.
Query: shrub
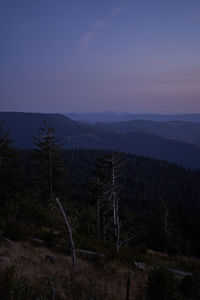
column 190, row 287
column 162, row 285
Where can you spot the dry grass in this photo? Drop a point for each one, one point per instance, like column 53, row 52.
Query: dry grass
column 189, row 264
column 93, row 280
column 97, row 278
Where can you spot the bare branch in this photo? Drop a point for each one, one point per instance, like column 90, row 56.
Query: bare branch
column 73, row 253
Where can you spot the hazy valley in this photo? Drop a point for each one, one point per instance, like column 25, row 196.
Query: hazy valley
column 174, row 141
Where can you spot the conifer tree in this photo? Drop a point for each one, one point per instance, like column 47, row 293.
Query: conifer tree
column 165, row 230
column 50, row 170
column 10, row 172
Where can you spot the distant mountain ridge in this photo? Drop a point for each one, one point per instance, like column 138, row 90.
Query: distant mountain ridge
column 176, row 130
column 107, row 117
column 73, row 135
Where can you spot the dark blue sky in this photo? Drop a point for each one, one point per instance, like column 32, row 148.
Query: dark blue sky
column 99, row 55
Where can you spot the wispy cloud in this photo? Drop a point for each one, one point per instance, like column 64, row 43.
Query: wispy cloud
column 155, row 61
column 85, row 41
column 117, row 10
column 101, row 24
column 88, row 36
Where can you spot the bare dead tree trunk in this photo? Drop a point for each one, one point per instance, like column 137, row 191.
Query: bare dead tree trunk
column 104, row 229
column 115, row 203
column 117, row 225
column 73, row 253
column 165, row 225
column 98, row 219
column 108, row 200
column 114, row 196
column 50, row 174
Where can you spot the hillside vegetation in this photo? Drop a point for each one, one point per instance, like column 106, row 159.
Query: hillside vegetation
column 27, row 273
column 74, row 135
column 132, row 220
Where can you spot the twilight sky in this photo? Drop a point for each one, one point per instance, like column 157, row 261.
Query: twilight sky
column 140, row 56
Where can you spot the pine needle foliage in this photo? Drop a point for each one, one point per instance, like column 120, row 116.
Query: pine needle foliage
column 10, row 172
column 51, row 176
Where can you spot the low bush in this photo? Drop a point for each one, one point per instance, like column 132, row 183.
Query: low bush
column 163, row 285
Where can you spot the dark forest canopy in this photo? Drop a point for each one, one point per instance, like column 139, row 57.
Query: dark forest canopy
column 148, row 189
column 144, row 179
column 146, row 185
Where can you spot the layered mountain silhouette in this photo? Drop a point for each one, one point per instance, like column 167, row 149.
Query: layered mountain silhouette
column 73, row 135
column 175, row 130
column 94, row 117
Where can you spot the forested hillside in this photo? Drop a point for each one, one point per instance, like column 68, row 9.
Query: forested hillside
column 110, row 117
column 188, row 132
column 117, row 205
column 74, row 135
column 145, row 185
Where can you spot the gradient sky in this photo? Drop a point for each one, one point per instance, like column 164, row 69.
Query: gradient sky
column 140, row 56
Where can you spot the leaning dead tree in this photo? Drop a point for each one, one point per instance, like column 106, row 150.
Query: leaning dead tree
column 73, row 252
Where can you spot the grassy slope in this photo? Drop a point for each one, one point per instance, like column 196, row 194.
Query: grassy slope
column 96, row 277
column 101, row 279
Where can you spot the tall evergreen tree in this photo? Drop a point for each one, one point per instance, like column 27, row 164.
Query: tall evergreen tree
column 51, row 175
column 10, row 172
